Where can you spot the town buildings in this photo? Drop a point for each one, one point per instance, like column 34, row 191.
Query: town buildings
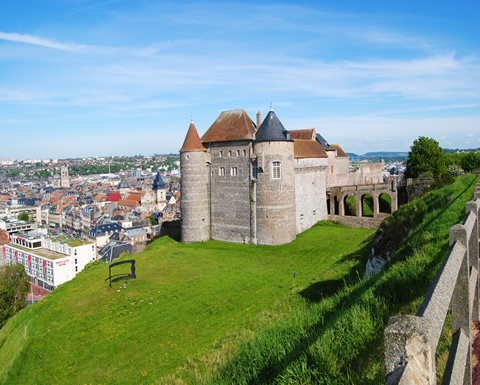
column 49, row 261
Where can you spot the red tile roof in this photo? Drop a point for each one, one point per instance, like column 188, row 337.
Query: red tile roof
column 308, row 149
column 114, row 197
column 340, row 152
column 303, row 134
column 230, row 125
column 124, row 202
column 134, row 197
column 192, row 140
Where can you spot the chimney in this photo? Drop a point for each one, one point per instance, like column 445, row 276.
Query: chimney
column 259, row 119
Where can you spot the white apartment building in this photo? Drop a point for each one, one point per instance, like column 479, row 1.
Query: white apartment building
column 49, row 261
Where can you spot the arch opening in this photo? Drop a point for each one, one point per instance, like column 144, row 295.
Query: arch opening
column 336, row 206
column 385, row 203
column 350, row 206
column 367, row 205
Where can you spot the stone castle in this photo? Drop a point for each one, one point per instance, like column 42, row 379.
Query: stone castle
column 255, row 183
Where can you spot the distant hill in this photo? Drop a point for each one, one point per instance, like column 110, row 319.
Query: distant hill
column 450, row 150
column 398, row 156
column 379, row 155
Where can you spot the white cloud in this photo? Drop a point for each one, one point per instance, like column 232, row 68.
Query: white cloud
column 39, row 41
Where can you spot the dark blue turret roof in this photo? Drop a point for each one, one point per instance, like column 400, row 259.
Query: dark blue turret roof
column 272, row 130
column 323, row 142
column 158, row 183
column 123, row 184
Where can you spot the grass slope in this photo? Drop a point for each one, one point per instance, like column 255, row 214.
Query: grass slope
column 219, row 313
column 338, row 338
column 186, row 301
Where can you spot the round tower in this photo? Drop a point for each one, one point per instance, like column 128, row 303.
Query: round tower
column 194, row 171
column 275, row 186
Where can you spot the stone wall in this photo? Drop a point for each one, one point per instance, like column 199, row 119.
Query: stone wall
column 358, row 222
column 310, row 186
column 369, row 173
column 230, row 191
column 195, row 202
column 275, row 198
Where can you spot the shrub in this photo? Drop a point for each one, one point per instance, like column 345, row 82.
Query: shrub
column 455, row 170
column 442, row 180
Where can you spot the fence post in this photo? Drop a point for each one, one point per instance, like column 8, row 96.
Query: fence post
column 461, row 310
column 408, row 351
column 473, row 252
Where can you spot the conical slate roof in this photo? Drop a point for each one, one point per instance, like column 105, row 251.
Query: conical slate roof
column 158, row 183
column 192, row 140
column 272, row 130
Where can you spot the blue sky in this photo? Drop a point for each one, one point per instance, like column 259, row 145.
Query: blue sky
column 96, row 78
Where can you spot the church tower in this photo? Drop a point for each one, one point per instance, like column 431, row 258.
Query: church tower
column 160, row 189
column 275, row 185
column 194, row 165
column 64, row 178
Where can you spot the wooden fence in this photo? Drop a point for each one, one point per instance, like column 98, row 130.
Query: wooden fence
column 411, row 341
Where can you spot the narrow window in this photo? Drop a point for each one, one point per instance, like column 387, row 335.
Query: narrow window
column 277, row 171
column 221, row 153
column 244, row 152
column 233, row 171
column 254, row 170
column 229, row 153
column 238, row 152
column 221, row 171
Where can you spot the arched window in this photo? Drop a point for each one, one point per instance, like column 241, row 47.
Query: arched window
column 276, row 170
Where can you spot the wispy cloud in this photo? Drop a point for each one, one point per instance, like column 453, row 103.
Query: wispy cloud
column 39, row 41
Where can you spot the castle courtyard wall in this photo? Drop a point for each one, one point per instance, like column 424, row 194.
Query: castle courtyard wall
column 310, row 186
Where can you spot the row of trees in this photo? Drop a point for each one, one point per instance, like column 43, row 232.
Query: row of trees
column 426, row 158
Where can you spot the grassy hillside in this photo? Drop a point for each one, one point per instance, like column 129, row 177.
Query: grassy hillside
column 219, row 313
column 186, row 300
column 337, row 338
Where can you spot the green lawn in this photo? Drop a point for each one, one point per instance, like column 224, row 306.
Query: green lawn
column 221, row 313
column 187, row 301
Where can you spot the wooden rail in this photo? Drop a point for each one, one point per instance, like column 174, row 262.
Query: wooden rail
column 411, row 341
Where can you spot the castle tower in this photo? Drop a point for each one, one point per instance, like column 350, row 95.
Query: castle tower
column 160, row 189
column 194, row 168
column 64, row 179
column 275, row 185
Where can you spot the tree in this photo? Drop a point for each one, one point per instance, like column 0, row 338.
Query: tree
column 13, row 173
column 471, row 161
column 23, row 216
column 425, row 156
column 153, row 220
column 14, row 287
